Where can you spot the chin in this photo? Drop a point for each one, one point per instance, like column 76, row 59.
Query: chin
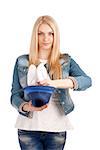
column 46, row 47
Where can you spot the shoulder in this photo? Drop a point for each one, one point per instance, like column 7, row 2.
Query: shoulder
column 23, row 59
column 65, row 58
column 24, row 56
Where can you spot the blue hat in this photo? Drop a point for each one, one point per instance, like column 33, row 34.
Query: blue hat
column 40, row 95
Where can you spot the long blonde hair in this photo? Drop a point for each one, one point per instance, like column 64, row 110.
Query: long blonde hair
column 53, row 60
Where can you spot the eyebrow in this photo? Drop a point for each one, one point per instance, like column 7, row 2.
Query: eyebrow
column 44, row 32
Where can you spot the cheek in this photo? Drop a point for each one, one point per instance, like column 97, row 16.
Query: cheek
column 52, row 39
column 40, row 40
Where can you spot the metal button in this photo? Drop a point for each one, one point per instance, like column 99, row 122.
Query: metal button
column 63, row 103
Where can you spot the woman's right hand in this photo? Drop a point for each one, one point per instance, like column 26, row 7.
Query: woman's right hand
column 29, row 107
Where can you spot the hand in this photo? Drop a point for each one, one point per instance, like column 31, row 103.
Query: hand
column 29, row 107
column 47, row 82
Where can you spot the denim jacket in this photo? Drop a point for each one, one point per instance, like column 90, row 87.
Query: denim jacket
column 70, row 69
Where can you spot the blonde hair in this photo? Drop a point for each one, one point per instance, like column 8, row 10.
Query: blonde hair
column 53, row 60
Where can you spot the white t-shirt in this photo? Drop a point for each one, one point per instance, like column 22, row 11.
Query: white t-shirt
column 51, row 119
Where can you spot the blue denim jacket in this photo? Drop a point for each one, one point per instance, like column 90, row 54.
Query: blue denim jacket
column 70, row 69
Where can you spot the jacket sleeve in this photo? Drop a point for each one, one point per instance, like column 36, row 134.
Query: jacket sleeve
column 17, row 94
column 80, row 79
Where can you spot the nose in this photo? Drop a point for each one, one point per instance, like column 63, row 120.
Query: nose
column 46, row 37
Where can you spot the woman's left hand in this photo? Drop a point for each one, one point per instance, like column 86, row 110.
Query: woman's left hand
column 47, row 83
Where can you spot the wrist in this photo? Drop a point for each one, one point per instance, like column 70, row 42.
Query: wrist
column 25, row 107
column 70, row 83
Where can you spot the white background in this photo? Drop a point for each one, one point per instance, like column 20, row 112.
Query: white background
column 79, row 24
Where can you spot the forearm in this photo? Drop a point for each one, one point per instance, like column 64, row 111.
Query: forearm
column 16, row 101
column 69, row 82
column 64, row 83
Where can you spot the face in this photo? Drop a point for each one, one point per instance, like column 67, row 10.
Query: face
column 45, row 37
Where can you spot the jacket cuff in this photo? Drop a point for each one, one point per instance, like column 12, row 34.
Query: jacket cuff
column 21, row 107
column 28, row 114
column 75, row 83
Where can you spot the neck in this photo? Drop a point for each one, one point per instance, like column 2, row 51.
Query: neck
column 44, row 54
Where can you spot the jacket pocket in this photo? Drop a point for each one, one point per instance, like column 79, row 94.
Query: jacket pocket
column 65, row 101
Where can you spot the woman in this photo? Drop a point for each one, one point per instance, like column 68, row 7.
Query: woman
column 44, row 128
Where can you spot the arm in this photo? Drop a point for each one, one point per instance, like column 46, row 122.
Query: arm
column 17, row 96
column 78, row 80
column 60, row 83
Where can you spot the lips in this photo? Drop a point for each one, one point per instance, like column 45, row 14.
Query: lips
column 45, row 43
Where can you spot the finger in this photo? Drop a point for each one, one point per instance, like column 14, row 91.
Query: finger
column 38, row 108
column 30, row 103
column 44, row 106
column 43, row 82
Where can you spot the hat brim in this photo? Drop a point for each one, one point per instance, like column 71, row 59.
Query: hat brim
column 39, row 95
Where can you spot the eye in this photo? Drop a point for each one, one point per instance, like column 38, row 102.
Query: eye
column 51, row 33
column 40, row 33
